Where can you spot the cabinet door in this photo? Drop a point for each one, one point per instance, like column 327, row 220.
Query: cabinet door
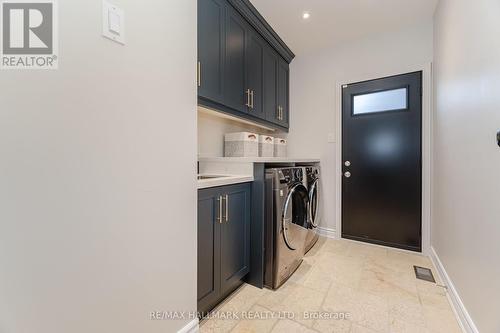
column 235, row 95
column 208, row 248
column 283, row 92
column 270, row 65
column 254, row 72
column 211, row 49
column 235, row 236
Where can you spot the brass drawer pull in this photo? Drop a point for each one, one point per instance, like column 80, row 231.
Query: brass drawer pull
column 219, row 215
column 199, row 74
column 227, row 208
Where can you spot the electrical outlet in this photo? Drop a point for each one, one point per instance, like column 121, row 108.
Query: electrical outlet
column 331, row 137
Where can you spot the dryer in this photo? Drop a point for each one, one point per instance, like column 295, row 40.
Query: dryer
column 287, row 216
column 312, row 177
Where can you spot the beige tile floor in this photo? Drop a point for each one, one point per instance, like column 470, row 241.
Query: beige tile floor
column 375, row 287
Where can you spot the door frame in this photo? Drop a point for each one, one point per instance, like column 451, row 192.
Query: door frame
column 427, row 138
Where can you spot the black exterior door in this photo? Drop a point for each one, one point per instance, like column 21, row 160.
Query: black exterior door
column 382, row 161
column 211, row 49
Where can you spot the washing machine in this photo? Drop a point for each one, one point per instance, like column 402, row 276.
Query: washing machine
column 312, row 177
column 286, row 220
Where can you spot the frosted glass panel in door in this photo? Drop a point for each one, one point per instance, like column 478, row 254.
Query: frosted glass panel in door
column 388, row 100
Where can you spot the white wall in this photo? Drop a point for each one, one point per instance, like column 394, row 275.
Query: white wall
column 97, row 196
column 466, row 210
column 313, row 99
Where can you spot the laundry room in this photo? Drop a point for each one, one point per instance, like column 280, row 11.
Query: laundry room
column 249, row 166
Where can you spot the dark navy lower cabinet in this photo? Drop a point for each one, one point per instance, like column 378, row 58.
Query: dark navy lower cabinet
column 208, row 249
column 223, row 242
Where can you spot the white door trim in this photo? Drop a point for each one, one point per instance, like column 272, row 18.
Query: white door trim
column 426, row 145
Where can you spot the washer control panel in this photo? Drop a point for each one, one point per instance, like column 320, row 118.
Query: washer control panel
column 291, row 175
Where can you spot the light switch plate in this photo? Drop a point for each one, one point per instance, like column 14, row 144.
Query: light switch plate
column 113, row 22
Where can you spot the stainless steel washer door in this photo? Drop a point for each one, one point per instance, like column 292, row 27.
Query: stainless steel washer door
column 294, row 216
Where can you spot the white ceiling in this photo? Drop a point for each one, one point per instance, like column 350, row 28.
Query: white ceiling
column 337, row 21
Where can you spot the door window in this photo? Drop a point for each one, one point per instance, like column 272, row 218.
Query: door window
column 387, row 100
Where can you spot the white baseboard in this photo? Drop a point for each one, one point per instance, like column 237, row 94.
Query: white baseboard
column 191, row 327
column 458, row 306
column 327, row 232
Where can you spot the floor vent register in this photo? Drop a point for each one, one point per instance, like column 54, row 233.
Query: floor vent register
column 423, row 273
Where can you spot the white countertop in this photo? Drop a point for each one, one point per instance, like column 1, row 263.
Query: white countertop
column 234, row 170
column 259, row 159
column 224, row 180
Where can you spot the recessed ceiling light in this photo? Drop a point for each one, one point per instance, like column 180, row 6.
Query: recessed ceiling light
column 306, row 15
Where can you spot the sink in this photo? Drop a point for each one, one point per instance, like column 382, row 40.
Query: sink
column 204, row 177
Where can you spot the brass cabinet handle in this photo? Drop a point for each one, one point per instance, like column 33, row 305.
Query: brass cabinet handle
column 219, row 215
column 227, row 208
column 198, row 78
column 248, row 98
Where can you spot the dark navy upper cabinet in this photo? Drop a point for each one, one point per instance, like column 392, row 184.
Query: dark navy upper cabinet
column 283, row 93
column 255, row 73
column 223, row 242
column 211, row 30
column 236, row 95
column 271, row 85
column 243, row 64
